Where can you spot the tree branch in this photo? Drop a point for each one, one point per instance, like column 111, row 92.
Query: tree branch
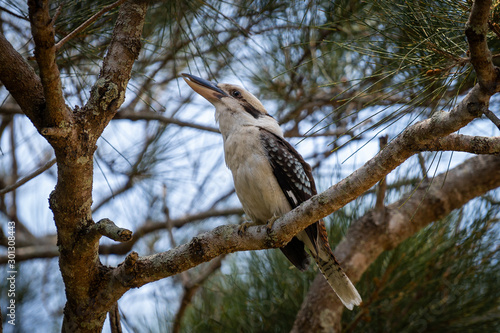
column 108, row 228
column 72, row 198
column 491, row 116
column 114, row 319
column 22, row 82
column 85, row 24
column 382, row 184
column 42, row 28
column 151, row 226
column 465, row 143
column 476, row 31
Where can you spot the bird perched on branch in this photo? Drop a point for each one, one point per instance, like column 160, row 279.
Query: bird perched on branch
column 270, row 176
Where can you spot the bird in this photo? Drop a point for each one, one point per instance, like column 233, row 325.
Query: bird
column 271, row 177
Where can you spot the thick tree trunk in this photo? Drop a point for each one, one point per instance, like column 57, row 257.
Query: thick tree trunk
column 73, row 135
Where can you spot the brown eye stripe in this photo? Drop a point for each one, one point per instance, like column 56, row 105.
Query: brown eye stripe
column 253, row 111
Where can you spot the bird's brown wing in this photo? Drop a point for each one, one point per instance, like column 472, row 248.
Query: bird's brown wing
column 295, row 178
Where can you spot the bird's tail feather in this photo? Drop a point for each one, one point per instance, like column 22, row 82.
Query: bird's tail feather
column 319, row 249
column 337, row 279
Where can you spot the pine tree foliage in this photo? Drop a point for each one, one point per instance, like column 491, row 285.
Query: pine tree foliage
column 441, row 279
column 260, row 296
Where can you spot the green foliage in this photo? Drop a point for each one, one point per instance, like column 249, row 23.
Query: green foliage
column 443, row 279
column 262, row 293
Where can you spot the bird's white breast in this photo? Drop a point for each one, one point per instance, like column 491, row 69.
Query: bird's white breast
column 254, row 181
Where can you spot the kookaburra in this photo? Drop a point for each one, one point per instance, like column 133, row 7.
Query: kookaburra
column 270, row 176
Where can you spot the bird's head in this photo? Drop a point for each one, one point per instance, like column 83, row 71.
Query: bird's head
column 234, row 105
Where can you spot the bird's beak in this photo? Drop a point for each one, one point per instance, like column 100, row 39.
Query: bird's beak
column 205, row 88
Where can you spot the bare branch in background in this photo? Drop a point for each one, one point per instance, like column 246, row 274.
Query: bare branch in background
column 150, row 115
column 29, row 177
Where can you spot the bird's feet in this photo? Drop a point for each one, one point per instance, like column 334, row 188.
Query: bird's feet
column 270, row 223
column 244, row 226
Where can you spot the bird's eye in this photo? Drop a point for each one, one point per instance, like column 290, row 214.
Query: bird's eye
column 236, row 94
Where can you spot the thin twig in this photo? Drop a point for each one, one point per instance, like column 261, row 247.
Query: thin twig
column 3, row 9
column 444, row 53
column 13, row 148
column 149, row 115
column 85, row 24
column 29, row 177
column 56, row 15
column 168, row 221
column 421, row 162
column 491, row 116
